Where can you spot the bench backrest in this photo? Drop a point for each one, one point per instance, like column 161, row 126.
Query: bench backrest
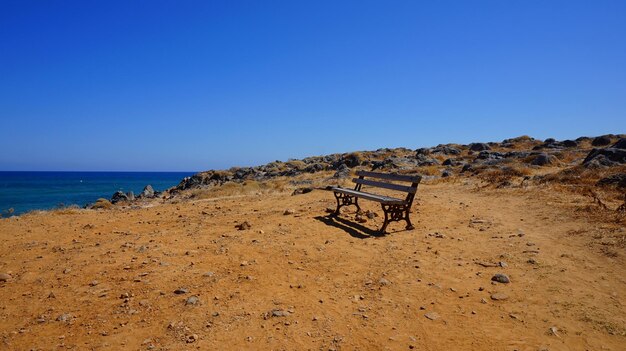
column 410, row 190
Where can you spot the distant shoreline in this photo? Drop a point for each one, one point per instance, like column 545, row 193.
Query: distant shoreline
column 25, row 191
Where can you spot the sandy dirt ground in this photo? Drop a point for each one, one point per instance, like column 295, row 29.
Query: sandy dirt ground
column 180, row 276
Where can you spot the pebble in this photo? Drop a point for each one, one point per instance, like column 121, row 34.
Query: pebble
column 4, row 277
column 432, row 316
column 384, row 281
column 499, row 296
column 192, row 300
column 94, row 283
column 208, row 274
column 501, row 278
column 370, row 214
column 181, row 291
column 64, row 317
column 289, row 211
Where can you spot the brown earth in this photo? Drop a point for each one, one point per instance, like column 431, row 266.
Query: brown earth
column 306, row 281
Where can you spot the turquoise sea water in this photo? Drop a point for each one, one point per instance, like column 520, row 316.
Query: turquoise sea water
column 26, row 191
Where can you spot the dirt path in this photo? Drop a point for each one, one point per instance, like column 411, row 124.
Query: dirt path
column 303, row 281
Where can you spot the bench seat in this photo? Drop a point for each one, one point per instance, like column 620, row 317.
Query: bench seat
column 373, row 197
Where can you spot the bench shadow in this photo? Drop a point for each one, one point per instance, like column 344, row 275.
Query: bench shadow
column 354, row 229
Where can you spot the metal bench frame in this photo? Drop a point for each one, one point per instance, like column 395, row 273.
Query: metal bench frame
column 395, row 209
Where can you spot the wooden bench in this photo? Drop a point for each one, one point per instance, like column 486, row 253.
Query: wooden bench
column 395, row 209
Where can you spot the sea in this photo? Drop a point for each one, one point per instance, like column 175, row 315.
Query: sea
column 21, row 192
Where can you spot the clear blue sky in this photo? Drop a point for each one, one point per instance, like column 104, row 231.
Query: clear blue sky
column 195, row 85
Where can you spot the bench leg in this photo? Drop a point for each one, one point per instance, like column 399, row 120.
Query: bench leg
column 409, row 225
column 346, row 200
column 396, row 213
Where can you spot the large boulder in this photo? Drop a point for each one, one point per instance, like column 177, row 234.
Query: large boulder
column 342, row 172
column 601, row 140
column 479, row 147
column 352, row 160
column 618, row 180
column 119, row 196
column 487, row 155
column 543, row 159
column 422, row 151
column 614, row 155
column 446, row 150
column 569, row 143
column 147, row 192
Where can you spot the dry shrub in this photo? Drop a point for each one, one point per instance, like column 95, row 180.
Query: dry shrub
column 102, row 204
column 296, row 164
column 65, row 210
column 503, row 176
column 433, row 170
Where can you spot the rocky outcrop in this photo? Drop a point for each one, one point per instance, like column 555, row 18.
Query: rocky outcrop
column 620, row 144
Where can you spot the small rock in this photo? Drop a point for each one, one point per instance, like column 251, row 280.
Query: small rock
column 432, row 316
column 384, row 281
column 181, row 291
column 192, row 338
column 499, row 296
column 553, row 331
column 244, row 226
column 4, row 277
column 208, row 274
column 289, row 212
column 192, row 300
column 94, row 283
column 501, row 278
column 276, row 313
